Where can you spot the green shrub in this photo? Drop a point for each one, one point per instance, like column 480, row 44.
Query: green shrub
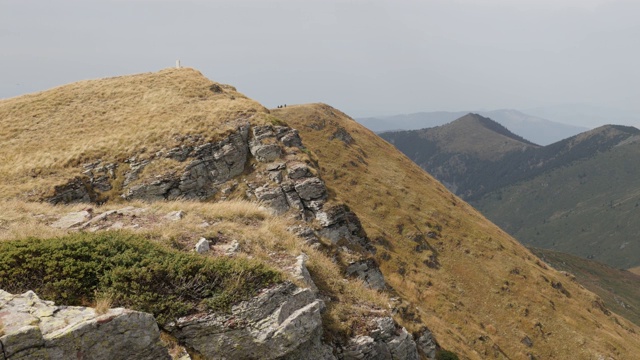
column 446, row 355
column 135, row 272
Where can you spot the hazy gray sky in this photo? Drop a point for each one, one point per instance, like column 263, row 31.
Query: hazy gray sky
column 363, row 57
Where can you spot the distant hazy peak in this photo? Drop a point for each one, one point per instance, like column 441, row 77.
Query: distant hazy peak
column 494, row 126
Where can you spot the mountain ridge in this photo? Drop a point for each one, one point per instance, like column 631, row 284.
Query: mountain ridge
column 368, row 211
column 536, row 129
column 543, row 194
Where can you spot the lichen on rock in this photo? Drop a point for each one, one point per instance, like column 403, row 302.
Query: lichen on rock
column 37, row 329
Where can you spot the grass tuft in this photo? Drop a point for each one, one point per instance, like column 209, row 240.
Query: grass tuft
column 103, row 303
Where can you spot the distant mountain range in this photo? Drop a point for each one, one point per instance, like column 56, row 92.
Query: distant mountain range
column 579, row 195
column 586, row 115
column 533, row 128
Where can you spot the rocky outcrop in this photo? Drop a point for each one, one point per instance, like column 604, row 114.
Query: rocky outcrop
column 283, row 322
column 340, row 223
column 388, row 341
column 37, row 329
column 368, row 271
column 278, row 323
column 76, row 190
column 300, row 272
column 210, row 164
column 426, row 344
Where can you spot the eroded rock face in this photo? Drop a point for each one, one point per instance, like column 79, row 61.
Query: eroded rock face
column 275, row 324
column 76, row 190
column 210, row 164
column 339, row 223
column 427, row 345
column 368, row 271
column 37, row 329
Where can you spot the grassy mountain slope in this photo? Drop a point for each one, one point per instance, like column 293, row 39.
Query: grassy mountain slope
column 620, row 289
column 481, row 292
column 588, row 208
column 635, row 270
column 109, row 119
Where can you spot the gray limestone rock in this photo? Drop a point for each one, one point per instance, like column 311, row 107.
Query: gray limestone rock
column 273, row 197
column 232, row 248
column 311, row 189
column 202, row 246
column 158, row 189
column 263, row 144
column 37, row 329
column 76, row 190
column 368, row 271
column 279, row 322
column 340, row 223
column 427, row 345
column 305, row 233
column 97, row 219
column 290, row 138
column 300, row 271
column 298, row 171
column 209, row 165
column 175, row 215
column 265, row 152
column 135, row 168
column 276, row 166
column 387, row 342
column 343, row 135
column 72, row 219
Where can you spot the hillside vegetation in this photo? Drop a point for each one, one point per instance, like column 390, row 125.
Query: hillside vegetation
column 130, row 271
column 619, row 289
column 479, row 290
column 446, row 267
column 587, row 207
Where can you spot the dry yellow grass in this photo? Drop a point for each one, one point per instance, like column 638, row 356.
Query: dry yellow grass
column 46, row 135
column 635, row 270
column 103, row 303
column 490, row 292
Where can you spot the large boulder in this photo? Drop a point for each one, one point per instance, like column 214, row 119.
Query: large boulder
column 37, row 329
column 278, row 323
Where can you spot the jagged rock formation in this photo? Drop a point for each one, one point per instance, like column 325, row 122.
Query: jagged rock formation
column 289, row 185
column 37, row 329
column 274, row 324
